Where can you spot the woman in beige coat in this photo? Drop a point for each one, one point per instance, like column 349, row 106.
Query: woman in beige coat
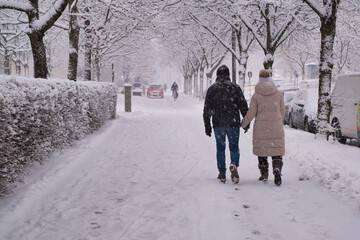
column 267, row 107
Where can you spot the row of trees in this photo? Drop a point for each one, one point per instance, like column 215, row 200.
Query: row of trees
column 293, row 29
column 194, row 35
column 103, row 31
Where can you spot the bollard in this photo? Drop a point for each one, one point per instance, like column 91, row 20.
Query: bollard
column 127, row 88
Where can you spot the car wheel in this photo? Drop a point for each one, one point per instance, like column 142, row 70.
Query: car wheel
column 306, row 125
column 337, row 132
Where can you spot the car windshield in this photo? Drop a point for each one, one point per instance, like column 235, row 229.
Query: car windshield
column 155, row 86
column 137, row 85
column 288, row 97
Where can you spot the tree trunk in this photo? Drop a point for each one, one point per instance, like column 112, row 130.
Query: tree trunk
column 208, row 79
column 87, row 54
column 196, row 83
column 39, row 54
column 49, row 59
column 97, row 65
column 328, row 30
column 74, row 34
column 112, row 73
column 26, row 69
column 18, row 67
column 25, row 63
column 303, row 72
column 242, row 68
column 191, row 75
column 186, row 84
column 7, row 65
column 269, row 61
column 201, row 90
column 233, row 58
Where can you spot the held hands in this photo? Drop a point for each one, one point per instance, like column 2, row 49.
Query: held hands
column 246, row 128
column 208, row 130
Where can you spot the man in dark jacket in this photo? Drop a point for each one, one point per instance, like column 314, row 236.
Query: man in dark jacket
column 223, row 103
column 174, row 89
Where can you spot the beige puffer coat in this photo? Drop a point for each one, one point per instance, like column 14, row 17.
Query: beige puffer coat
column 267, row 107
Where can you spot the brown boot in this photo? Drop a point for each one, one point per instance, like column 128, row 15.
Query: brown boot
column 264, row 171
column 277, row 165
column 264, row 168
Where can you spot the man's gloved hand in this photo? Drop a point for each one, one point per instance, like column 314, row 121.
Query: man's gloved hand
column 208, row 130
column 246, row 128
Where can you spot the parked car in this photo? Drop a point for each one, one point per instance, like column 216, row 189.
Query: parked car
column 136, row 85
column 302, row 110
column 278, row 82
column 345, row 102
column 288, row 87
column 309, row 83
column 155, row 90
column 137, row 89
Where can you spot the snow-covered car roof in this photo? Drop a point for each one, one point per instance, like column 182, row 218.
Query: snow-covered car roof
column 310, row 98
column 309, row 83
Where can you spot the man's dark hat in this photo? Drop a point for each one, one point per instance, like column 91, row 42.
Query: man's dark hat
column 223, row 71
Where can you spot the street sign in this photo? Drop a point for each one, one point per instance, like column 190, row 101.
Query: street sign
column 249, row 74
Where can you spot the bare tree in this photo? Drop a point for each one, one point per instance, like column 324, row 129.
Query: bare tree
column 271, row 23
column 327, row 12
column 299, row 49
column 74, row 34
column 14, row 44
column 38, row 24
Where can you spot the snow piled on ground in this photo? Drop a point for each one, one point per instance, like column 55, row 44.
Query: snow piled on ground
column 151, row 174
column 332, row 165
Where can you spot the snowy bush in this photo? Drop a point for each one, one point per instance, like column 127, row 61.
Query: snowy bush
column 38, row 116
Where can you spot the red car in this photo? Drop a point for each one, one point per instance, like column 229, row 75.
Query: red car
column 155, row 90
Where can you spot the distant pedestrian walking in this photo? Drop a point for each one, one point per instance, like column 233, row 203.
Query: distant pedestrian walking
column 223, row 103
column 267, row 107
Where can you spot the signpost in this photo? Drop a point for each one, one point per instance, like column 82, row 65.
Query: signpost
column 249, row 75
column 127, row 87
column 296, row 79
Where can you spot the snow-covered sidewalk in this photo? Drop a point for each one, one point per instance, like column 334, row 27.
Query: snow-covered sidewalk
column 151, row 174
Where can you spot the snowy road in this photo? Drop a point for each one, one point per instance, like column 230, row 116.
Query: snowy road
column 151, row 174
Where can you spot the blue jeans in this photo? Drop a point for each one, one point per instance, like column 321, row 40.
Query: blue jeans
column 233, row 138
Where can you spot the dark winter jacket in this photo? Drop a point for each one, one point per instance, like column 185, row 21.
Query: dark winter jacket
column 174, row 87
column 224, row 101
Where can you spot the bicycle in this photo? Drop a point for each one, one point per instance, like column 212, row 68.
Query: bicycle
column 175, row 95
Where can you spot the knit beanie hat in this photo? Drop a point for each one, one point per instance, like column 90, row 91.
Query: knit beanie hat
column 264, row 75
column 223, row 71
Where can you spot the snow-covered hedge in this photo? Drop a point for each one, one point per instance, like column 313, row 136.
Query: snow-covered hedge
column 38, row 116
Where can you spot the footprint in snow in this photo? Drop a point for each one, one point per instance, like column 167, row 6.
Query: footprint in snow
column 95, row 225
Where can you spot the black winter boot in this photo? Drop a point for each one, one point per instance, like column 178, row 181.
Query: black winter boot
column 234, row 174
column 222, row 177
column 264, row 168
column 277, row 166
